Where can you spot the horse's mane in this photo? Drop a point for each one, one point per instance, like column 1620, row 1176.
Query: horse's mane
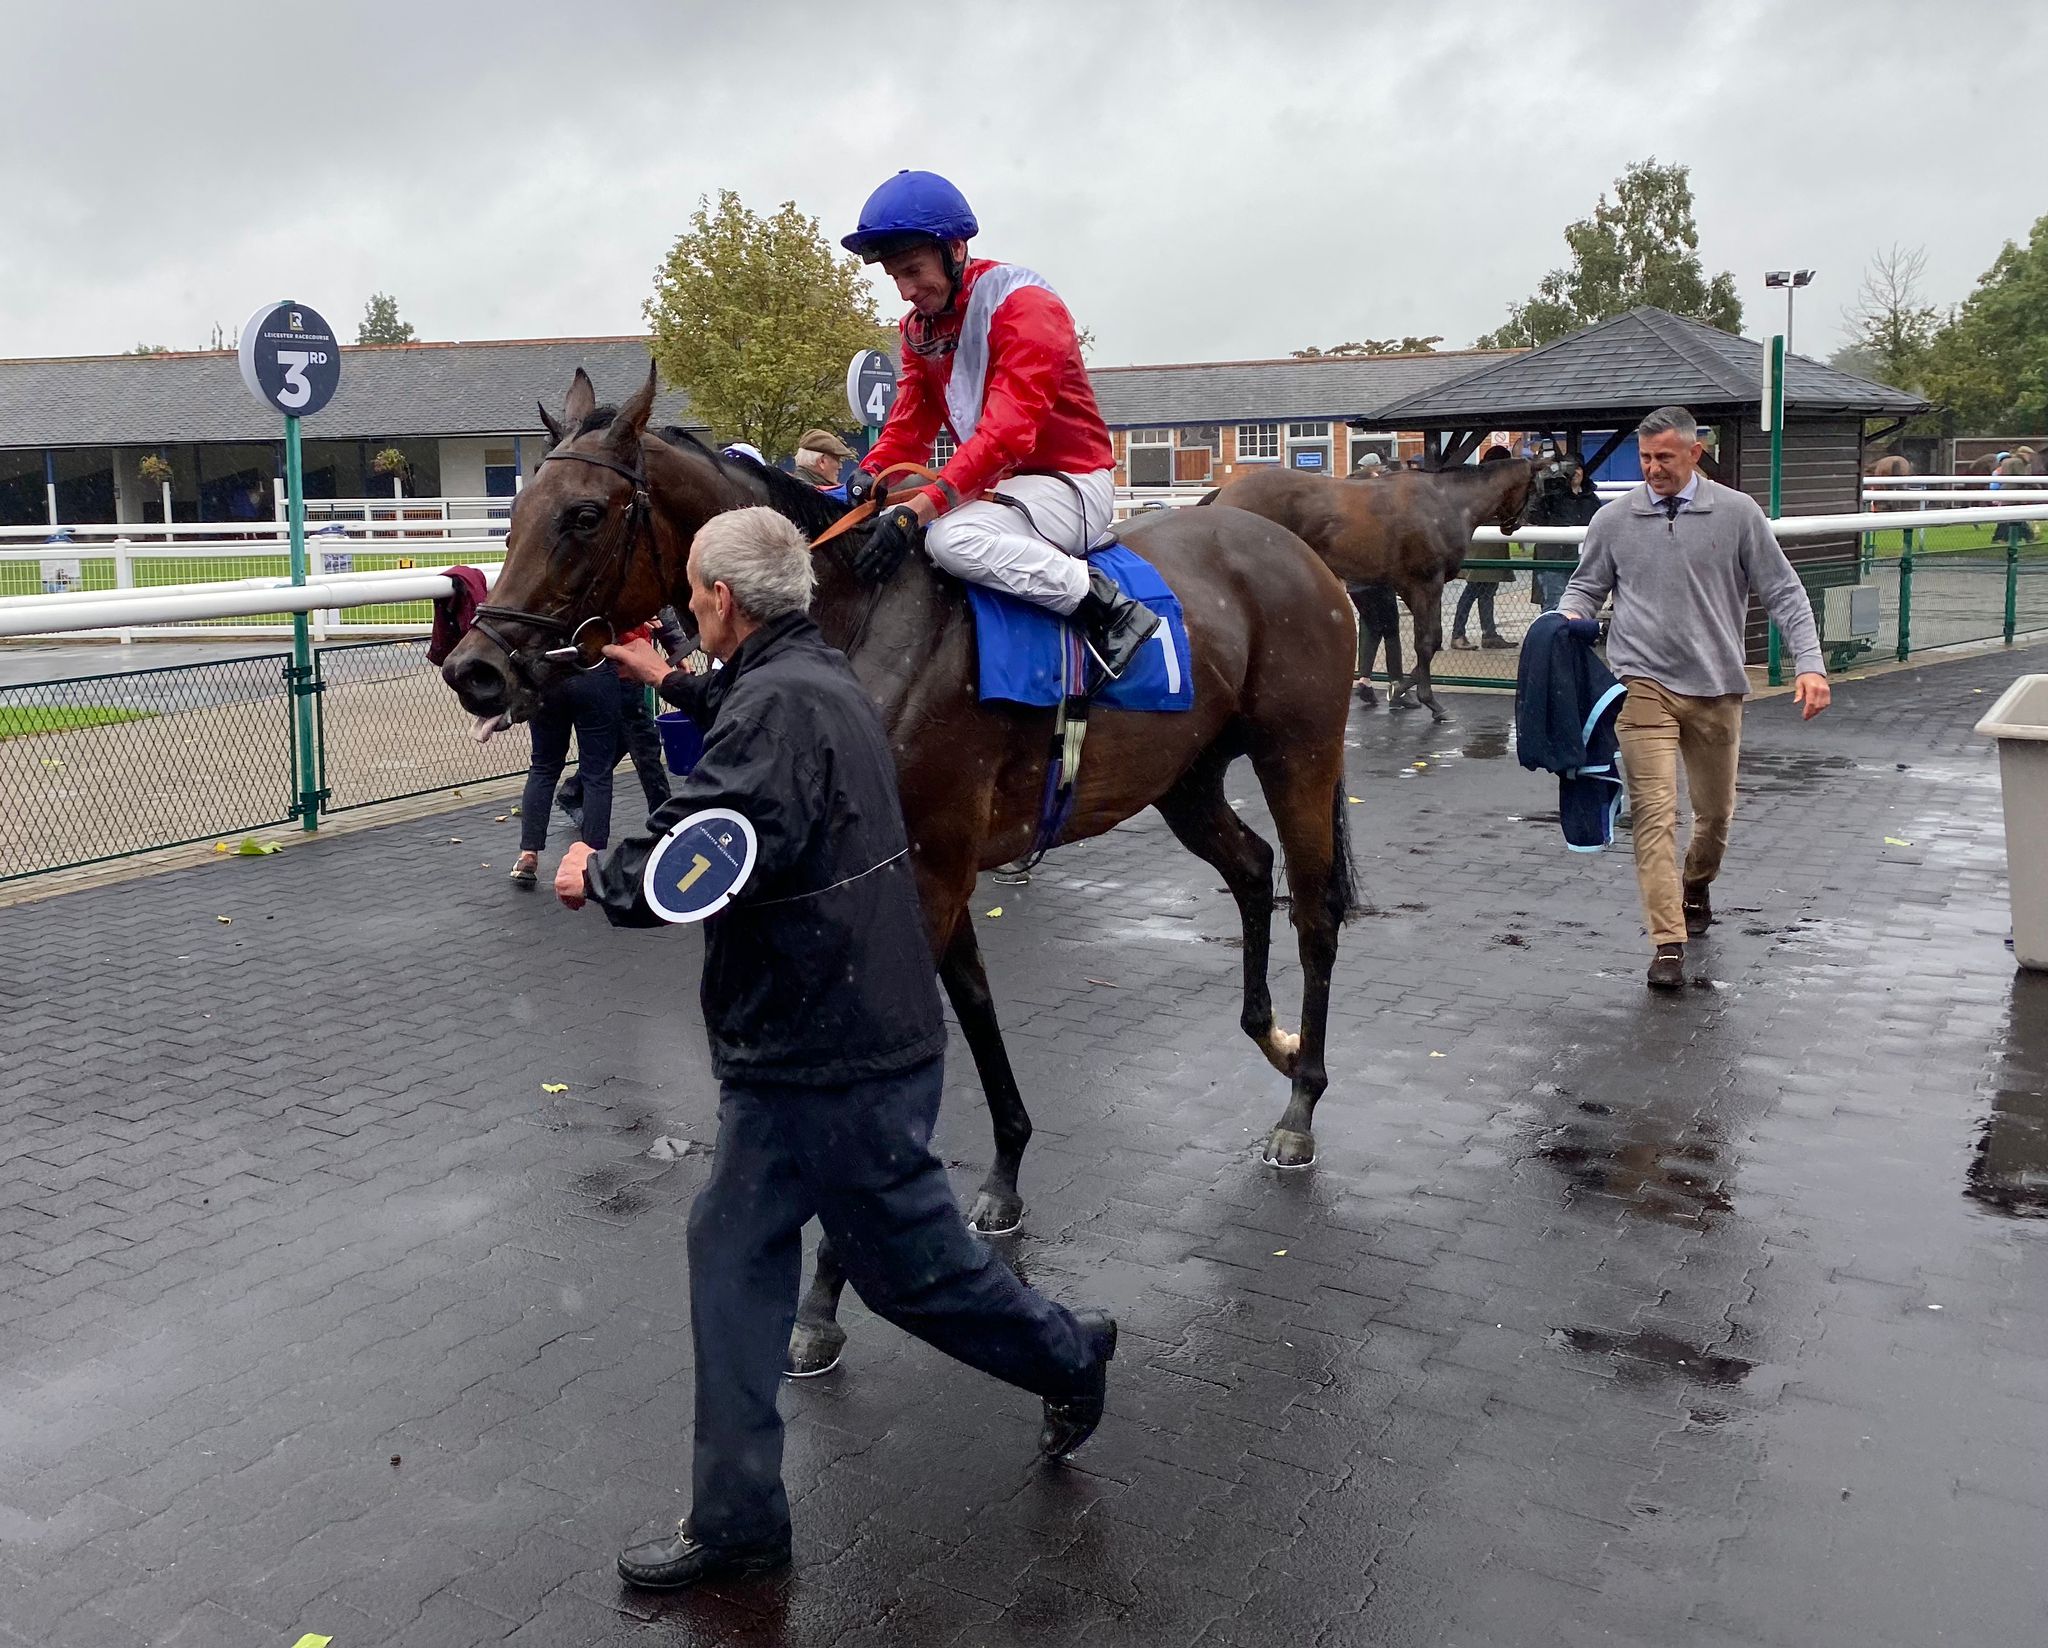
column 1465, row 474
column 798, row 500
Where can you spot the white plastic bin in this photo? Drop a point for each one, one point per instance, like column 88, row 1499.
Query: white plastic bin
column 2019, row 721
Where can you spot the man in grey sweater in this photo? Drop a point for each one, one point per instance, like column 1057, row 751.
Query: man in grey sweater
column 1681, row 556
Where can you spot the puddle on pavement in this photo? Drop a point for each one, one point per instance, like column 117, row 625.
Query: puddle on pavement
column 1644, row 1358
column 2008, row 1171
column 1678, row 1180
column 1777, row 772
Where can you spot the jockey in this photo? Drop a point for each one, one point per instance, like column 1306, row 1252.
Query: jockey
column 989, row 352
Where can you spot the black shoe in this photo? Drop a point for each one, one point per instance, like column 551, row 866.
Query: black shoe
column 1115, row 625
column 1699, row 908
column 1070, row 1423
column 1667, row 968
column 673, row 1560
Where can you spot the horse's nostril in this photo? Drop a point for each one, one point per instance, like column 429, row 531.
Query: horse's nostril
column 479, row 684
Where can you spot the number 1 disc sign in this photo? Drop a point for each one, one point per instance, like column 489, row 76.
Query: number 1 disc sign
column 291, row 360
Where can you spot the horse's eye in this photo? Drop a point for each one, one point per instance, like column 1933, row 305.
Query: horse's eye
column 586, row 517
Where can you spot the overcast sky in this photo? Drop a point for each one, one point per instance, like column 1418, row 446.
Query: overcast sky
column 1200, row 181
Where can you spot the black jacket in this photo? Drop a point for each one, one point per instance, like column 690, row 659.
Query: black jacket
column 1566, row 702
column 819, row 972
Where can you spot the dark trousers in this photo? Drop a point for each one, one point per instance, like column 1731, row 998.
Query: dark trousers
column 642, row 743
column 1379, row 625
column 588, row 705
column 1480, row 595
column 859, row 1159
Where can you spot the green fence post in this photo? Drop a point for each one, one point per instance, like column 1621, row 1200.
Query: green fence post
column 303, row 683
column 2012, row 586
column 1906, row 600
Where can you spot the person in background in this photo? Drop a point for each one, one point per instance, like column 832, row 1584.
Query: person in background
column 639, row 738
column 1482, row 584
column 1369, row 466
column 1565, row 497
column 822, row 458
column 586, row 703
column 1681, row 555
column 1379, row 625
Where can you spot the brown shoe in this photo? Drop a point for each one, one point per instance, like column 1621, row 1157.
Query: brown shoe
column 1667, row 968
column 1699, row 909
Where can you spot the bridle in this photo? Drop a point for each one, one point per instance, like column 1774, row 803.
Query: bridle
column 620, row 563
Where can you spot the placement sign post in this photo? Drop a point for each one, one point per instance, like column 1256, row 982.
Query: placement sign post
column 291, row 362
column 871, row 390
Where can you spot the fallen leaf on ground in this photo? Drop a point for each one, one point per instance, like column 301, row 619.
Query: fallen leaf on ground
column 998, row 910
column 224, row 920
column 220, row 846
column 1439, row 1055
column 1112, row 983
column 501, row 818
column 1279, row 1253
column 1356, row 801
column 554, row 1087
column 252, row 848
column 1894, row 841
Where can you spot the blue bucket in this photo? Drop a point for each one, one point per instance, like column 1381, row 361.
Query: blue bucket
column 680, row 740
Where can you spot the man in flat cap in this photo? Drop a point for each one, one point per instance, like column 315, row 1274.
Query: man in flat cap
column 821, row 456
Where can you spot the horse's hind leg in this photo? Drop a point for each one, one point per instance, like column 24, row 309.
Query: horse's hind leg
column 1305, row 789
column 998, row 1208
column 1426, row 602
column 1208, row 826
column 817, row 1340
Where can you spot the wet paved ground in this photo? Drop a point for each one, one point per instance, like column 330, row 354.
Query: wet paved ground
column 1604, row 1318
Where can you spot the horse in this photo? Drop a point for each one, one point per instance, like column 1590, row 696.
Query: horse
column 1410, row 530
column 600, row 539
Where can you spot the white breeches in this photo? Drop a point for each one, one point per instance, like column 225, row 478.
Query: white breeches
column 1038, row 559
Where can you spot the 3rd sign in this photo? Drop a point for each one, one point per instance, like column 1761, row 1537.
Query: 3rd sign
column 291, row 360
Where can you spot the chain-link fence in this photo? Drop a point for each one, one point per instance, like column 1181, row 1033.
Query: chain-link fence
column 101, row 766
column 389, row 728
column 104, row 766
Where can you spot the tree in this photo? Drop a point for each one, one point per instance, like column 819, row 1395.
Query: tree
column 1989, row 364
column 1641, row 247
column 1890, row 327
column 756, row 317
column 380, row 322
column 1373, row 346
column 150, row 349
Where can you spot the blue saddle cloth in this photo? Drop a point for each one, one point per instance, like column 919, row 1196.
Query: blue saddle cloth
column 1019, row 644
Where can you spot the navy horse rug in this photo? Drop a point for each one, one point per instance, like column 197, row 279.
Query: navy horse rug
column 1021, row 645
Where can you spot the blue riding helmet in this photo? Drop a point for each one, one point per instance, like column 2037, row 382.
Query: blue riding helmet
column 911, row 209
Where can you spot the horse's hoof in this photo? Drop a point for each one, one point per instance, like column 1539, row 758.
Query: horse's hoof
column 814, row 1349
column 1288, row 1149
column 996, row 1213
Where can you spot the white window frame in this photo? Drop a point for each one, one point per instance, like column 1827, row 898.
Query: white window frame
column 943, row 448
column 1261, row 434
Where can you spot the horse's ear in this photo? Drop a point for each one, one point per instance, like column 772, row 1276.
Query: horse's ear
column 554, row 429
column 582, row 399
column 632, row 416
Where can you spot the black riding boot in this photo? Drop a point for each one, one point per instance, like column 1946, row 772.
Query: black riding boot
column 1115, row 625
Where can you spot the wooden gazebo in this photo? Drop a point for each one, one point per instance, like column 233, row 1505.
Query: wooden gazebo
column 1588, row 391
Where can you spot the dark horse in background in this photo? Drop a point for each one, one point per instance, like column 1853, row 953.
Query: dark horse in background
column 601, row 537
column 1408, row 529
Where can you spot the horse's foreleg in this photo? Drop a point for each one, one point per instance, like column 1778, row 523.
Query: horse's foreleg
column 1307, row 802
column 998, row 1208
column 817, row 1339
column 1205, row 823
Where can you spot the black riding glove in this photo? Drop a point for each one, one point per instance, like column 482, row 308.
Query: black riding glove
column 893, row 536
column 861, row 486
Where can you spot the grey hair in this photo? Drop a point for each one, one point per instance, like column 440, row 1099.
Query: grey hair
column 1669, row 419
column 760, row 556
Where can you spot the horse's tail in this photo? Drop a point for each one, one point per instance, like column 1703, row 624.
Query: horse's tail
column 1344, row 900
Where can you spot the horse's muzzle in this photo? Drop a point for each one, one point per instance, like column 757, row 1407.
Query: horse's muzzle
column 484, row 683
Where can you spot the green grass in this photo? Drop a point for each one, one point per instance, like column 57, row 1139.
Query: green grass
column 25, row 721
column 1958, row 540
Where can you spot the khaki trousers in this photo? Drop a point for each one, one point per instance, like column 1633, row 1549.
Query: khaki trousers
column 1656, row 728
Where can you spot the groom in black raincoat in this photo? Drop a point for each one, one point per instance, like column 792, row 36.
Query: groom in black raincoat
column 822, row 1010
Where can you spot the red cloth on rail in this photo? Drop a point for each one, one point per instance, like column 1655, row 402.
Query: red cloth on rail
column 454, row 613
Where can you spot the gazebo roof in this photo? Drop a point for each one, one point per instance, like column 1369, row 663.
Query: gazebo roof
column 1630, row 365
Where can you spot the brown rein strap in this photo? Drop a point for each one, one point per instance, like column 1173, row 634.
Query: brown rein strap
column 861, row 512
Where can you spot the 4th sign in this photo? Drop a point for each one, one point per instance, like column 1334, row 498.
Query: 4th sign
column 871, row 387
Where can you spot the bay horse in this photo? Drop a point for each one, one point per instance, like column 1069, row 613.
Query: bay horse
column 600, row 539
column 1410, row 529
